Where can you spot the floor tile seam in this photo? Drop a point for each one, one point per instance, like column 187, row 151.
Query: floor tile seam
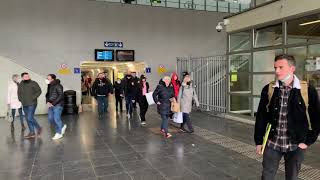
column 121, row 164
column 259, row 160
column 33, row 164
column 94, row 171
column 163, row 175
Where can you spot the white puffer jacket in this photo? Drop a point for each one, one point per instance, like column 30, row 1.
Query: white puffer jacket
column 12, row 99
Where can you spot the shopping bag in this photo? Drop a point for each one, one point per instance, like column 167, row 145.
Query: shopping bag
column 9, row 117
column 177, row 117
column 175, row 107
column 150, row 98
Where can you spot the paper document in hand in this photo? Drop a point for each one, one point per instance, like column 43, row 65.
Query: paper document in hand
column 265, row 138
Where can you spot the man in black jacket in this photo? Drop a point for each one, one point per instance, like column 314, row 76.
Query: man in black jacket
column 118, row 92
column 290, row 134
column 55, row 100
column 101, row 89
column 28, row 93
column 130, row 90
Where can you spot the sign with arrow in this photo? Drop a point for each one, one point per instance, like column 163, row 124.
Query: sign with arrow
column 112, row 44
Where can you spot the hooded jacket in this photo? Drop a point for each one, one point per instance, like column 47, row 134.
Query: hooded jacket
column 175, row 84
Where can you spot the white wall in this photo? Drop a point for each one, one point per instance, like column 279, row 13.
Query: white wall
column 42, row 34
column 274, row 11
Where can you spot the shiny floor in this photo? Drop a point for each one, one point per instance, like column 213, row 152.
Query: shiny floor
column 117, row 148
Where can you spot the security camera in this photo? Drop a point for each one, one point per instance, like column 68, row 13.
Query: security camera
column 219, row 27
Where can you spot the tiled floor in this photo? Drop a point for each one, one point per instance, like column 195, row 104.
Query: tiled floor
column 115, row 148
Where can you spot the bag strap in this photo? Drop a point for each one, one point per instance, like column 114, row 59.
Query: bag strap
column 305, row 97
column 270, row 93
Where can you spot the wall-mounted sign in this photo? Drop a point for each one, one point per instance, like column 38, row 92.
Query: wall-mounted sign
column 148, row 70
column 125, row 55
column 161, row 69
column 64, row 69
column 112, row 44
column 76, row 70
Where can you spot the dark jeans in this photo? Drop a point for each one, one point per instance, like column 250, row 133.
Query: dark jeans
column 187, row 120
column 164, row 122
column 32, row 122
column 102, row 104
column 129, row 104
column 13, row 112
column 143, row 104
column 119, row 102
column 271, row 159
column 54, row 117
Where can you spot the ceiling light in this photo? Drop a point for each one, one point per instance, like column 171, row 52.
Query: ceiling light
column 113, row 67
column 129, row 65
column 311, row 22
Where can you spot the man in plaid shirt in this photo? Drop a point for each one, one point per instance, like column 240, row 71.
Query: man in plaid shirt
column 290, row 135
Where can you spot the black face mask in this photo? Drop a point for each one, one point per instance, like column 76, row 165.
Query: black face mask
column 188, row 83
column 27, row 81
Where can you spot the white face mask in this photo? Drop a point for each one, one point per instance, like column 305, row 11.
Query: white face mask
column 47, row 81
column 284, row 80
column 119, row 81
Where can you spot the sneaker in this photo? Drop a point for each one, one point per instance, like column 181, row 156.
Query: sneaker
column 39, row 131
column 183, row 130
column 63, row 130
column 162, row 131
column 143, row 123
column 128, row 115
column 168, row 135
column 57, row 136
column 30, row 136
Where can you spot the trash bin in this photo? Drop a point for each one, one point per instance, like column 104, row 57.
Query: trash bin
column 70, row 102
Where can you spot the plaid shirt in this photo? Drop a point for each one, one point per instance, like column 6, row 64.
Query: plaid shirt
column 281, row 141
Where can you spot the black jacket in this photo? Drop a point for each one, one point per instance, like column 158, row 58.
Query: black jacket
column 140, row 87
column 28, row 92
column 54, row 93
column 162, row 94
column 298, row 130
column 130, row 86
column 118, row 89
column 101, row 87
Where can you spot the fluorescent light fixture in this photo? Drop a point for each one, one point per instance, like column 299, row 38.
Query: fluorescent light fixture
column 113, row 67
column 311, row 22
column 129, row 65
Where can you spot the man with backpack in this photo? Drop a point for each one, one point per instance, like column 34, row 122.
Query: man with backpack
column 292, row 109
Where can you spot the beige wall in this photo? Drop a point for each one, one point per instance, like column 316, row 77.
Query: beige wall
column 274, row 11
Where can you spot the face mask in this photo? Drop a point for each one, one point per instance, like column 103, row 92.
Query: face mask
column 188, row 83
column 47, row 81
column 118, row 81
column 284, row 80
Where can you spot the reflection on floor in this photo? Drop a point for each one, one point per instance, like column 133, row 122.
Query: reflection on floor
column 114, row 147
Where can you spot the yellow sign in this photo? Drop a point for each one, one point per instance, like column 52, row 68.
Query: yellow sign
column 161, row 69
column 234, row 77
column 64, row 69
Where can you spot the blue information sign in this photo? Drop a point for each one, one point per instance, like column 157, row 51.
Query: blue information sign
column 76, row 70
column 148, row 70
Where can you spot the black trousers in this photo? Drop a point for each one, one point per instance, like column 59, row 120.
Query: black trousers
column 271, row 159
column 186, row 120
column 143, row 104
column 118, row 102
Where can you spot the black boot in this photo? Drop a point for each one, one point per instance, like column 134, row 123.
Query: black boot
column 12, row 126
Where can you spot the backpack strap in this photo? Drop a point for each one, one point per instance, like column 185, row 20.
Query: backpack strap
column 305, row 97
column 270, row 93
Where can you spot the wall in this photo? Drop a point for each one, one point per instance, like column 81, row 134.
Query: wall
column 274, row 11
column 43, row 34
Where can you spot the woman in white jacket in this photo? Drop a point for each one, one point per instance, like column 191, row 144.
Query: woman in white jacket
column 13, row 101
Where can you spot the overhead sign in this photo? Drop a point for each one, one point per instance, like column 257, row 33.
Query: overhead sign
column 113, row 44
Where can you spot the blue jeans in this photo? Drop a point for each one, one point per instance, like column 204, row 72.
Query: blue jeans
column 54, row 117
column 13, row 112
column 29, row 113
column 129, row 104
column 164, row 122
column 102, row 104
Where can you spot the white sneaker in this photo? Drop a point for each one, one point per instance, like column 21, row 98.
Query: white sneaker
column 57, row 136
column 128, row 115
column 63, row 130
column 143, row 123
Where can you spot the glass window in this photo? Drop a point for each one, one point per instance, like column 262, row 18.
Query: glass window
column 240, row 63
column 305, row 29
column 313, row 66
column 211, row 5
column 239, row 83
column 199, row 4
column 268, row 36
column 173, row 3
column 223, row 6
column 263, row 60
column 300, row 54
column 255, row 105
column 234, row 7
column 260, row 80
column 240, row 41
column 240, row 104
column 144, row 2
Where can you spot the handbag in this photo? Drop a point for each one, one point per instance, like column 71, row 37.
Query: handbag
column 177, row 117
column 175, row 107
column 149, row 98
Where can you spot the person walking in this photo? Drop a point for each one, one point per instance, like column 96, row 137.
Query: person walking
column 55, row 101
column 130, row 93
column 118, row 93
column 143, row 89
column 163, row 96
column 13, row 102
column 28, row 93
